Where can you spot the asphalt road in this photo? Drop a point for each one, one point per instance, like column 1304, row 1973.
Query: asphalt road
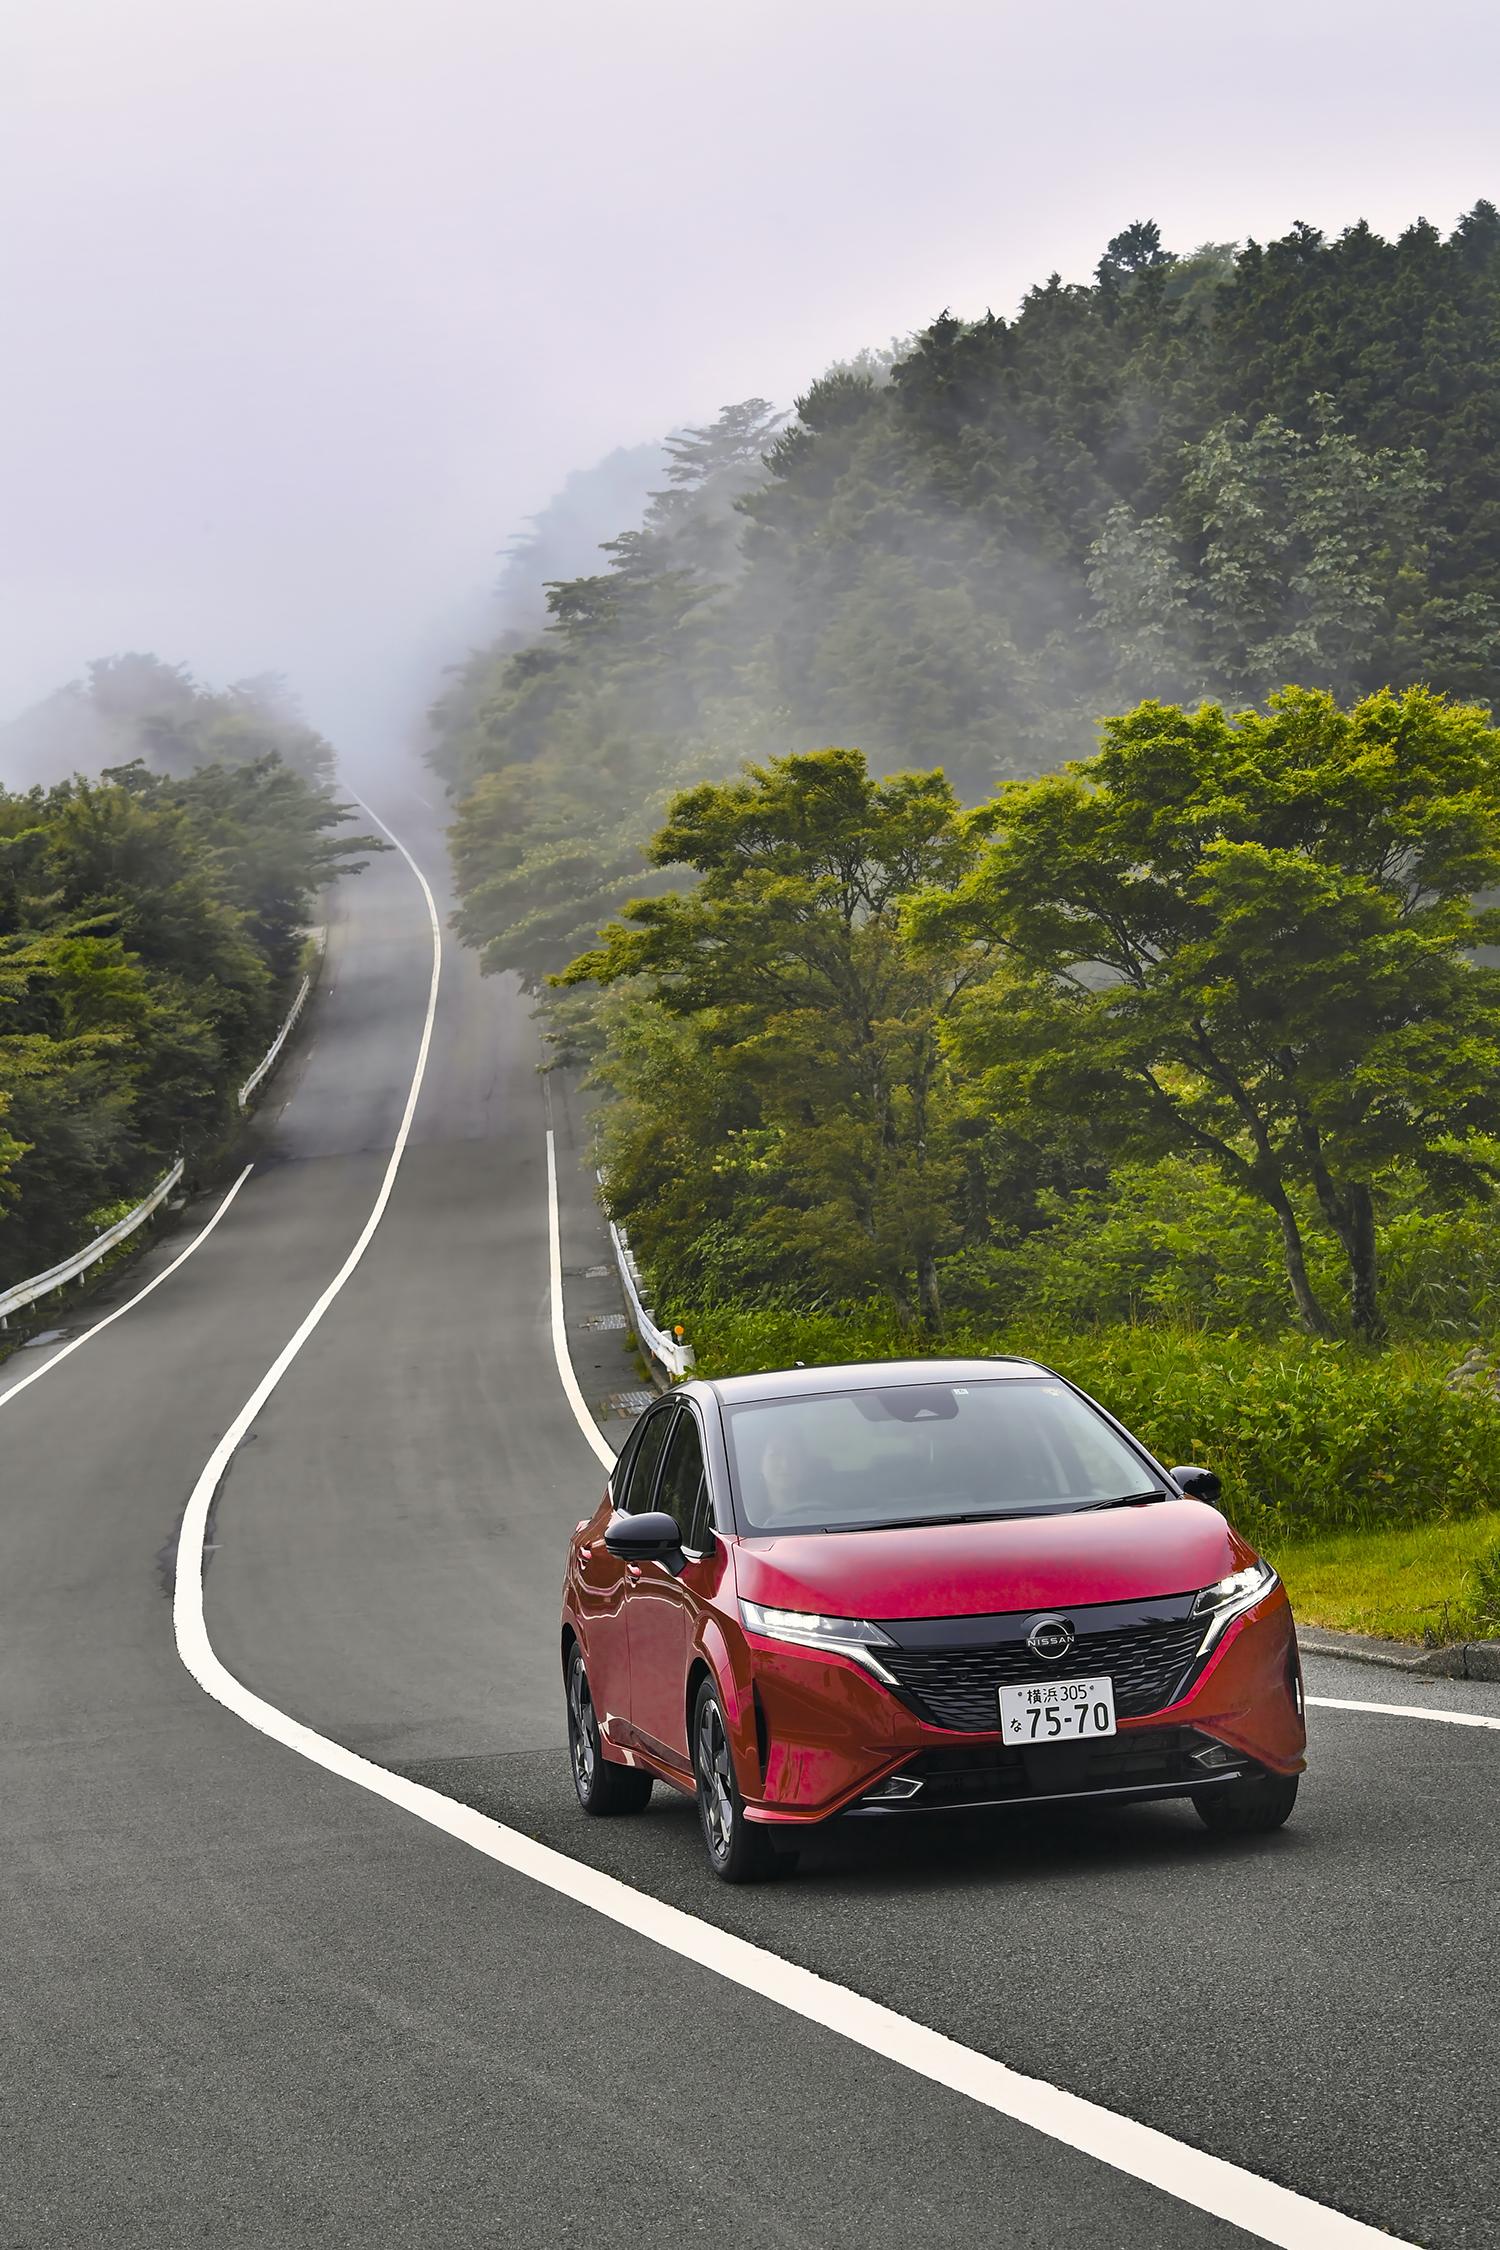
column 247, row 2003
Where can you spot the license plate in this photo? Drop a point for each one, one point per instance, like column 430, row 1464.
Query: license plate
column 1057, row 1711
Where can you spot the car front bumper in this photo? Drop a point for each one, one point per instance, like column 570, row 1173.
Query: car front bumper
column 820, row 1735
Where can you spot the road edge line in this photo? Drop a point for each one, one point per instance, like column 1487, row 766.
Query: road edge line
column 1404, row 1711
column 76, row 1343
column 1211, row 2184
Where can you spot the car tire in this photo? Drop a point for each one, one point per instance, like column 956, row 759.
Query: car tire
column 739, row 1851
column 1252, row 1807
column 602, row 1787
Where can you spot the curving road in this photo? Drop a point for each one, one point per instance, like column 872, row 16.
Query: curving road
column 247, row 2002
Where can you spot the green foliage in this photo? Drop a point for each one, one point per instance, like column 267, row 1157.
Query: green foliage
column 1201, row 1035
column 1192, row 1033
column 1252, row 938
column 1307, row 1435
column 815, row 1026
column 1484, row 1580
column 1199, row 476
column 1286, row 557
column 149, row 928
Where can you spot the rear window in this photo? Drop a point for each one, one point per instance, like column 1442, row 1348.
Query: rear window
column 925, row 1453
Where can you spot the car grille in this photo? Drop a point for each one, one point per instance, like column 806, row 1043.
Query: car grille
column 957, row 1687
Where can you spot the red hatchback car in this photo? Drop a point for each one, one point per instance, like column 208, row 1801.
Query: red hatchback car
column 912, row 1587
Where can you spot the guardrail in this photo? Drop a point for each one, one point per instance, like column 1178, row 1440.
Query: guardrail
column 669, row 1352
column 57, row 1277
column 268, row 1059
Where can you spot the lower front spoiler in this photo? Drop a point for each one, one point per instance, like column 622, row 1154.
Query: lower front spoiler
column 1142, row 1764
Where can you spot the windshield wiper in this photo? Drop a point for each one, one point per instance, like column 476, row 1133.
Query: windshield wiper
column 912, row 1523
column 1126, row 1500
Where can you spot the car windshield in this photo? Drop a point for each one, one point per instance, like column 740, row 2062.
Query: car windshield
column 926, row 1453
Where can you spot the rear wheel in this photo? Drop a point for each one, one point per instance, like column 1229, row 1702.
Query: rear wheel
column 602, row 1788
column 738, row 1850
column 1252, row 1807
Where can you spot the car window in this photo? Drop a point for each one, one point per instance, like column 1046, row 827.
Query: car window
column 683, row 1490
column 619, row 1475
column 926, row 1453
column 697, row 1535
column 640, row 1474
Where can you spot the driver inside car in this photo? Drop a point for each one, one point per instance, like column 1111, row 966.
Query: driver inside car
column 786, row 1482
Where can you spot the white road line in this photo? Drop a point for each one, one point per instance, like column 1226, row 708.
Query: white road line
column 560, row 1352
column 78, row 1342
column 1257, row 2207
column 1407, row 1711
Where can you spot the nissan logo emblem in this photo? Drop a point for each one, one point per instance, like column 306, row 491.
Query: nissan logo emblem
column 1051, row 1637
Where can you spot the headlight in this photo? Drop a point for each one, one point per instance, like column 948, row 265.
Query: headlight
column 840, row 1636
column 1241, row 1587
column 1229, row 1597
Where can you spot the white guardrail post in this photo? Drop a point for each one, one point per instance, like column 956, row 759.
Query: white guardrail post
column 40, row 1284
column 674, row 1357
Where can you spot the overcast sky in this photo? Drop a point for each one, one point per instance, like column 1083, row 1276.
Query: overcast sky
column 309, row 303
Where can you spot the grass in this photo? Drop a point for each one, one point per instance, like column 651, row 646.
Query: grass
column 1402, row 1585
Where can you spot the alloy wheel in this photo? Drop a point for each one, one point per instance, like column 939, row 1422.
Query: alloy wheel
column 715, row 1780
column 582, row 1736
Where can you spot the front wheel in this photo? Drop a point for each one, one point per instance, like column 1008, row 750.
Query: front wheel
column 1252, row 1807
column 602, row 1788
column 738, row 1850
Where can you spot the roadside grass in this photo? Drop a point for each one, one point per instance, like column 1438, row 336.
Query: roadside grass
column 1418, row 1583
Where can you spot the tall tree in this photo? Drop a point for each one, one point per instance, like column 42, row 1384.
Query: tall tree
column 787, row 954
column 1252, row 937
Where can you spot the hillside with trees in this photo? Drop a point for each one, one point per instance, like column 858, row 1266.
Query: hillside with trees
column 152, row 925
column 1119, row 991
column 1209, row 475
column 137, row 706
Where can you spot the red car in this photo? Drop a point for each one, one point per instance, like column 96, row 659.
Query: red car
column 914, row 1587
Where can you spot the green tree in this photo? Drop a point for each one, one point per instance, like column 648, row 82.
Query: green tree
column 1252, row 937
column 1287, row 557
column 1136, row 249
column 788, row 957
column 150, row 927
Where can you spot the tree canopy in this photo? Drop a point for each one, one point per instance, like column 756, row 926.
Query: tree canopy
column 150, row 928
column 1208, row 474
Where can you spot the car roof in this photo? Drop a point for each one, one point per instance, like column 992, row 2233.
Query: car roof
column 861, row 1375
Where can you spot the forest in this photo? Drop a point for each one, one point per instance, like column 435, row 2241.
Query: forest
column 152, row 927
column 1038, row 798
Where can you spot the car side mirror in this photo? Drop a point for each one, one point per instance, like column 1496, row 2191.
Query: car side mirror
column 1199, row 1484
column 653, row 1537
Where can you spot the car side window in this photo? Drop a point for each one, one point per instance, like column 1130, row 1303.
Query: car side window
column 635, row 1496
column 697, row 1532
column 683, row 1490
column 619, row 1475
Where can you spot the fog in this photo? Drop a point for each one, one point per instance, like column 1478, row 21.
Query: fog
column 312, row 303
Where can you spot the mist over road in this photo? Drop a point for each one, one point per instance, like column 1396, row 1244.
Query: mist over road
column 250, row 2003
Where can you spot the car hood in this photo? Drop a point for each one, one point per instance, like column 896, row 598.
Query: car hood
column 979, row 1569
